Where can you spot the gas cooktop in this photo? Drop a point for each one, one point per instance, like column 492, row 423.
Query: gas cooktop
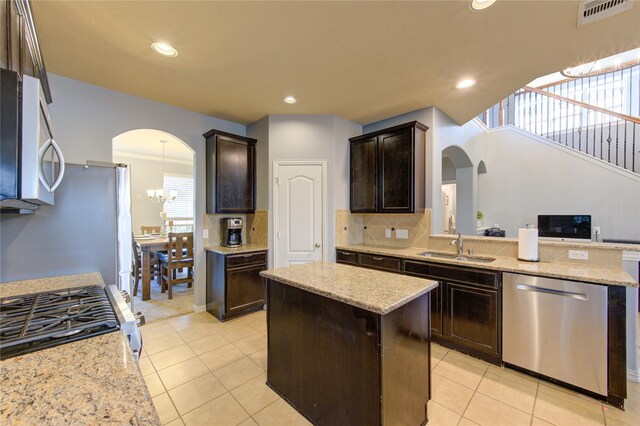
column 38, row 321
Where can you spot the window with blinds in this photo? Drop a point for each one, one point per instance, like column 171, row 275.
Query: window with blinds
column 182, row 207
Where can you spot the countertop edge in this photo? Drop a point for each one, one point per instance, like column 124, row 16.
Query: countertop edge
column 392, row 251
column 249, row 248
column 38, row 285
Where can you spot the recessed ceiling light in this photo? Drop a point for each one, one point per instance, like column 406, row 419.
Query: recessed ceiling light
column 465, row 84
column 290, row 100
column 164, row 49
column 481, row 4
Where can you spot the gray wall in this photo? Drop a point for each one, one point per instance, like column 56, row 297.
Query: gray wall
column 527, row 176
column 75, row 235
column 86, row 118
column 147, row 174
column 448, row 170
column 260, row 131
column 314, row 137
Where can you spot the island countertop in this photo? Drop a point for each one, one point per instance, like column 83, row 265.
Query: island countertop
column 90, row 381
column 364, row 288
column 569, row 271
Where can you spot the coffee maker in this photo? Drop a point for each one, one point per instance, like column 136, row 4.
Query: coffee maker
column 231, row 231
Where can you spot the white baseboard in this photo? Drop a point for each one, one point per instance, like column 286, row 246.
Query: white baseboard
column 633, row 375
column 199, row 308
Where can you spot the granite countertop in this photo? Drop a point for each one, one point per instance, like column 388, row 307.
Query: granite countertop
column 570, row 271
column 90, row 381
column 246, row 248
column 15, row 288
column 363, row 288
column 549, row 242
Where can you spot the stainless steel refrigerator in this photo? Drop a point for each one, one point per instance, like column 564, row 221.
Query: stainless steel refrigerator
column 88, row 229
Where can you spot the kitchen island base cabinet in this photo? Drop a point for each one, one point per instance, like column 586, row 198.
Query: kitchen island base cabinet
column 338, row 364
column 234, row 284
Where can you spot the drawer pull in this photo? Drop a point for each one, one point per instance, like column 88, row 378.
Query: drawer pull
column 344, row 253
column 376, row 258
column 248, row 255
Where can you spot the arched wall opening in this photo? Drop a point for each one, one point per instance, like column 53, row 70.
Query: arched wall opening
column 457, row 191
column 160, row 160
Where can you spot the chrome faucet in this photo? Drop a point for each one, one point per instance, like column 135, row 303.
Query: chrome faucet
column 458, row 242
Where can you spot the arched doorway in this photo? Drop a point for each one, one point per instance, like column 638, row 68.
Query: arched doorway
column 159, row 162
column 457, row 192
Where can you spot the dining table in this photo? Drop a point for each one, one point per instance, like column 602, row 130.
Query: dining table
column 148, row 245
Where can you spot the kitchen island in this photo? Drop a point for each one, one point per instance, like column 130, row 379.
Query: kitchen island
column 349, row 346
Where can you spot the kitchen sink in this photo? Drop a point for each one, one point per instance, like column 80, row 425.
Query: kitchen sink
column 442, row 255
column 475, row 259
column 454, row 256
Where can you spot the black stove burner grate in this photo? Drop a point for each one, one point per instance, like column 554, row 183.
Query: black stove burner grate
column 38, row 321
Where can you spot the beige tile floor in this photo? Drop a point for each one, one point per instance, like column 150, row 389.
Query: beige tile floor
column 159, row 307
column 200, row 371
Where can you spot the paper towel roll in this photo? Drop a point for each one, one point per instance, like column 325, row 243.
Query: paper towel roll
column 528, row 244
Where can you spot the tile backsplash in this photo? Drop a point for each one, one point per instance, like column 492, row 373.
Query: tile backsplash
column 257, row 228
column 355, row 228
column 254, row 230
column 212, row 223
column 348, row 228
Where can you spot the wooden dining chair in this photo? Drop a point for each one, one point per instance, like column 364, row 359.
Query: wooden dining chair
column 151, row 229
column 179, row 256
column 136, row 265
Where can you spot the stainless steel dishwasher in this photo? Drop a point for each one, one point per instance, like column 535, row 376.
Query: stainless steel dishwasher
column 556, row 328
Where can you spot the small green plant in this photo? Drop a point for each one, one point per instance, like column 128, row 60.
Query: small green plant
column 479, row 215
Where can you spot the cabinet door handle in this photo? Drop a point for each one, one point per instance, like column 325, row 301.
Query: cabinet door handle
column 376, row 258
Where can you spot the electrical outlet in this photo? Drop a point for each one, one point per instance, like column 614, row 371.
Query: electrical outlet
column 579, row 254
column 596, row 230
column 402, row 233
column 205, row 234
column 387, row 233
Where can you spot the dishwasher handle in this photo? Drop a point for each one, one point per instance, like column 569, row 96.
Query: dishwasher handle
column 579, row 296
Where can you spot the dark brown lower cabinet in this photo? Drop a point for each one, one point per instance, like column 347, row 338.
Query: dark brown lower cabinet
column 234, row 284
column 471, row 319
column 383, row 263
column 466, row 308
column 437, row 322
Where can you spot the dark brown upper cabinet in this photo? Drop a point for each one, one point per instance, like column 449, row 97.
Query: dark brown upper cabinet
column 388, row 170
column 231, row 173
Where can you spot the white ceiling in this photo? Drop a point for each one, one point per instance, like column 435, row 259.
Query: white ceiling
column 360, row 60
column 145, row 144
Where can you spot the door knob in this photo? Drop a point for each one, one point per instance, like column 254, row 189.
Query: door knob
column 317, row 244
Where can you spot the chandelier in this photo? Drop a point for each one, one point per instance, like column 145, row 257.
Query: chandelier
column 160, row 195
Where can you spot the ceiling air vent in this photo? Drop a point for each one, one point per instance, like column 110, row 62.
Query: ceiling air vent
column 597, row 10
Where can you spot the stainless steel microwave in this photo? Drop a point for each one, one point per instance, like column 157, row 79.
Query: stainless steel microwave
column 31, row 162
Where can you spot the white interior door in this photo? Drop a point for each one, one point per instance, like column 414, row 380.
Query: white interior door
column 299, row 199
